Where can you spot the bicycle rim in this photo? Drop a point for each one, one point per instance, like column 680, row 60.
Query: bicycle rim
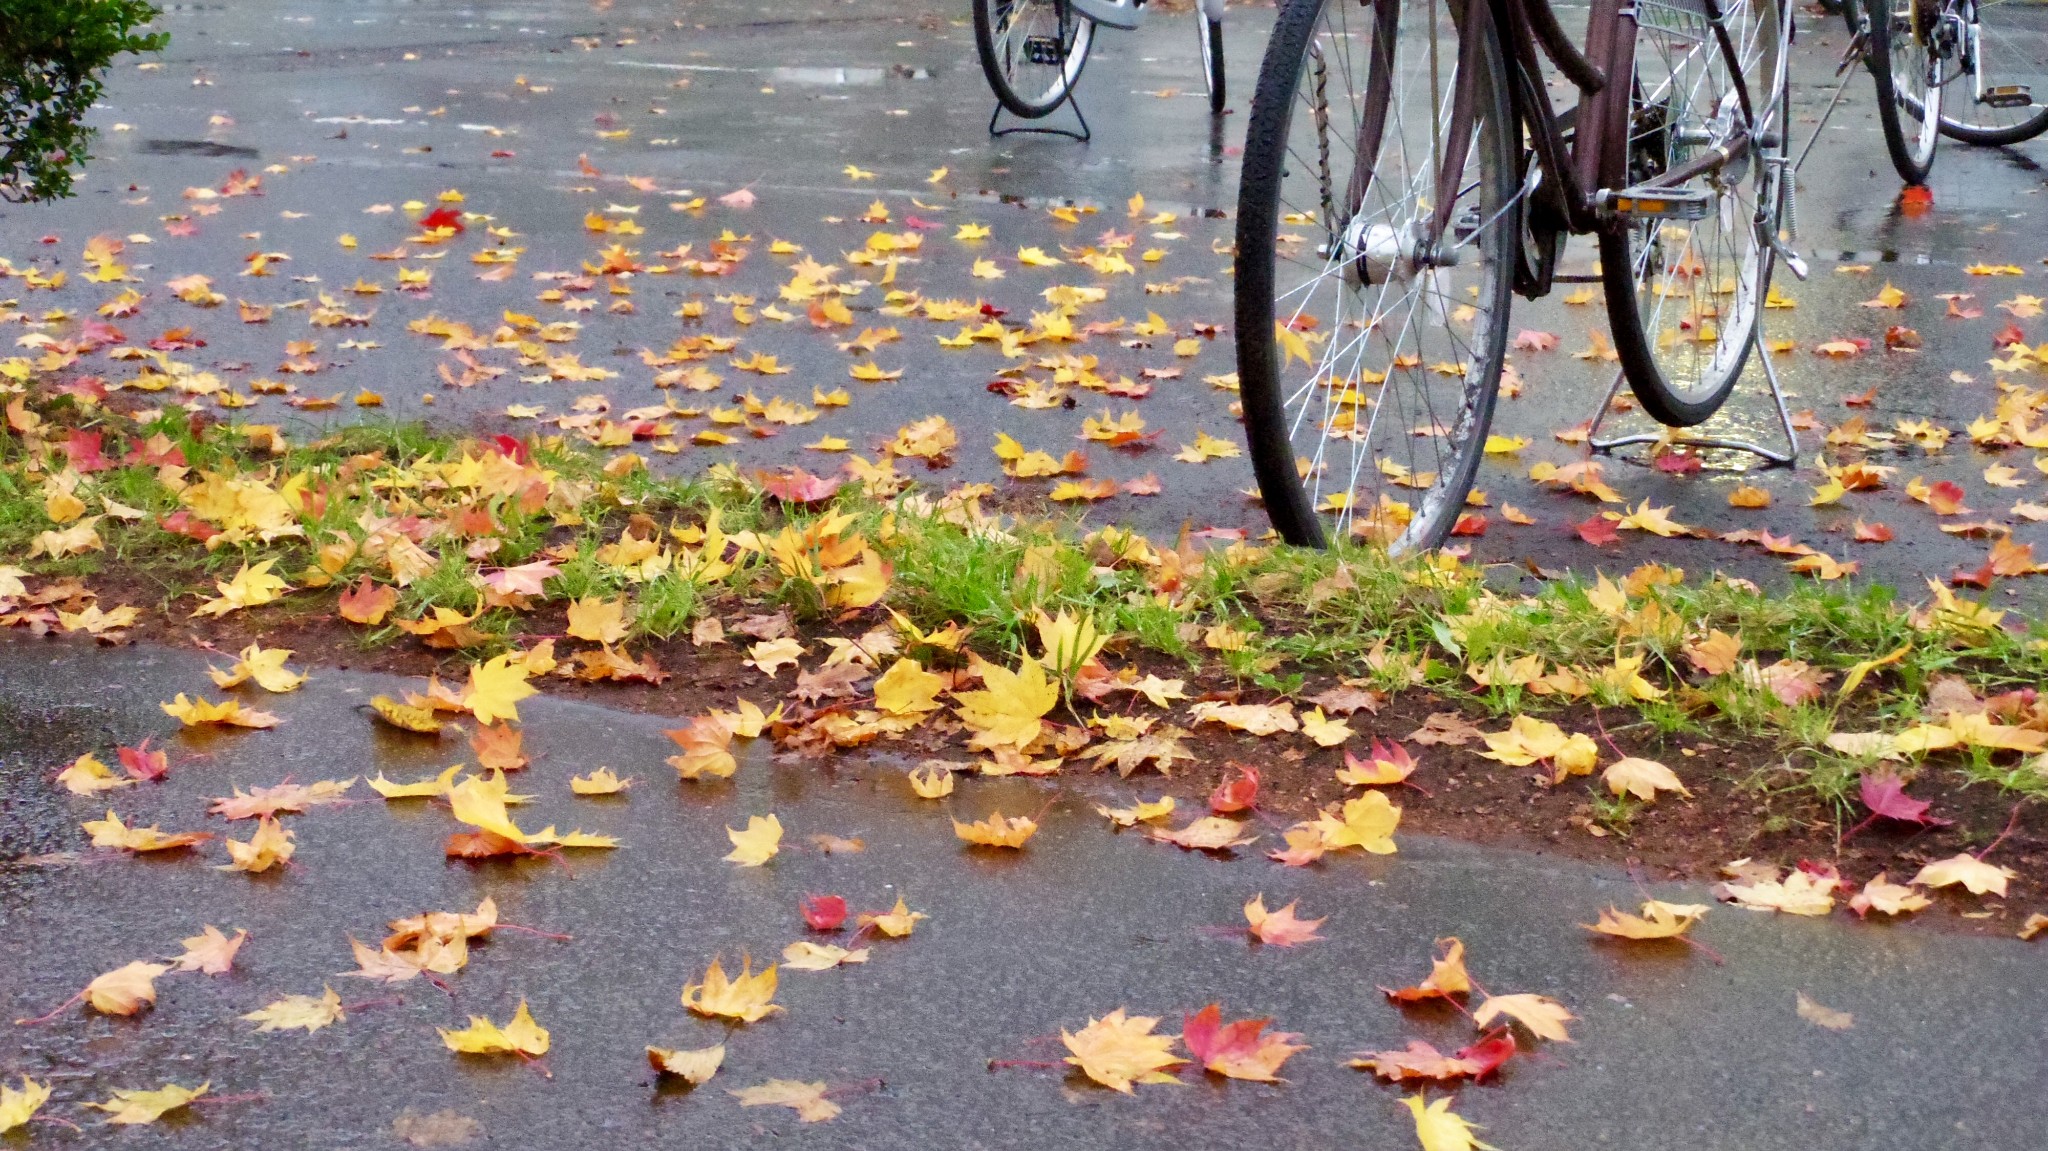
column 1369, row 377
column 1683, row 296
column 1007, row 32
column 2011, row 51
column 1904, row 63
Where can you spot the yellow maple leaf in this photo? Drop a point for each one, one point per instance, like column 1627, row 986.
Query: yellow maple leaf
column 803, row 955
column 126, row 989
column 270, row 846
column 907, row 689
column 522, row 1036
column 1006, row 711
column 87, row 776
column 197, row 711
column 1642, row 778
column 1659, row 920
column 748, row 998
column 299, row 1011
column 495, row 688
column 251, row 587
column 1544, row 1017
column 603, row 781
column 758, row 843
column 424, row 789
column 264, row 666
column 996, row 831
column 932, row 781
column 1145, row 811
column 19, row 1105
column 1118, row 1051
column 806, row 1099
column 597, row 620
column 134, row 1107
column 695, row 1067
column 1366, row 822
column 896, row 923
column 1438, row 1127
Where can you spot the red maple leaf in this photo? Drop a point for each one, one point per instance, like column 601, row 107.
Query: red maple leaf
column 798, row 486
column 1884, row 793
column 1598, row 531
column 83, row 448
column 442, row 217
column 1240, row 1049
column 1492, row 1050
column 824, row 912
column 144, row 762
column 1238, row 793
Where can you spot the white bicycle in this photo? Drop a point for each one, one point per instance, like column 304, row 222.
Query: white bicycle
column 1033, row 50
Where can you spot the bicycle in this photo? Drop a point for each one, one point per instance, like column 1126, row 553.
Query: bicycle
column 1916, row 50
column 1405, row 209
column 1032, row 51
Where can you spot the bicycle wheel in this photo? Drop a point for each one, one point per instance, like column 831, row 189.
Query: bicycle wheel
column 1032, row 51
column 1368, row 364
column 2009, row 47
column 1905, row 56
column 1211, row 34
column 1683, row 295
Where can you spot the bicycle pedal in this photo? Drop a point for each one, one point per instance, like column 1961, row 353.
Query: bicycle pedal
column 1659, row 203
column 1044, row 50
column 2007, row 96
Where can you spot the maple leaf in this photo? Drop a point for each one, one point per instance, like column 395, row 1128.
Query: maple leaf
column 498, row 747
column 19, row 1105
column 1422, row 1061
column 263, row 665
column 495, row 688
column 748, row 998
column 1279, row 928
column 907, row 689
column 521, row 1036
column 602, row 781
column 1447, row 976
column 1007, row 711
column 1441, row 1129
column 1209, row 833
column 137, row 1107
column 1642, row 778
column 996, row 831
column 1145, row 811
column 367, row 603
column 803, row 955
column 1161, row 748
column 405, row 717
column 1367, row 822
column 1388, row 764
column 1253, row 718
column 1888, row 898
column 896, row 923
column 299, row 1011
column 824, row 912
column 1544, row 1017
column 706, row 742
column 1237, row 792
column 1884, row 793
column 1118, row 1051
column 210, row 952
column 1326, row 732
column 932, row 781
column 1660, row 920
column 268, row 847
column 1977, row 876
column 86, row 775
column 1237, row 1050
column 126, row 989
column 758, row 843
column 291, row 797
column 806, row 1099
column 695, row 1067
column 111, row 832
column 198, row 711
column 1799, row 893
column 251, row 587
column 597, row 620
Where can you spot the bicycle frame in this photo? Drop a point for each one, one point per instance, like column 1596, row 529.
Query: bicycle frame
column 1577, row 164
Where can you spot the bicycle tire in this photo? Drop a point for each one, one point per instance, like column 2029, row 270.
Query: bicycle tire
column 1210, row 33
column 996, row 20
column 1675, row 386
column 1379, row 187
column 2005, row 54
column 1911, row 146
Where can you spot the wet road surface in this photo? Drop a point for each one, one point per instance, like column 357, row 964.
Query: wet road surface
column 1671, row 1048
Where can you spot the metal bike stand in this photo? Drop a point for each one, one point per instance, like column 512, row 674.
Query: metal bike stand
column 1029, row 126
column 1851, row 56
column 1786, row 458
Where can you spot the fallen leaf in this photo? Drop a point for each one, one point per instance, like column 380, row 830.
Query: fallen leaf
column 748, row 998
column 1243, row 1049
column 1279, row 928
column 806, row 1099
column 1821, row 1016
column 1118, row 1051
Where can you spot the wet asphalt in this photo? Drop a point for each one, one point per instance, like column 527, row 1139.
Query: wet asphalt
column 541, row 113
column 1672, row 1049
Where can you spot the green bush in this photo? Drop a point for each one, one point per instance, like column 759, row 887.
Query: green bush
column 52, row 56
